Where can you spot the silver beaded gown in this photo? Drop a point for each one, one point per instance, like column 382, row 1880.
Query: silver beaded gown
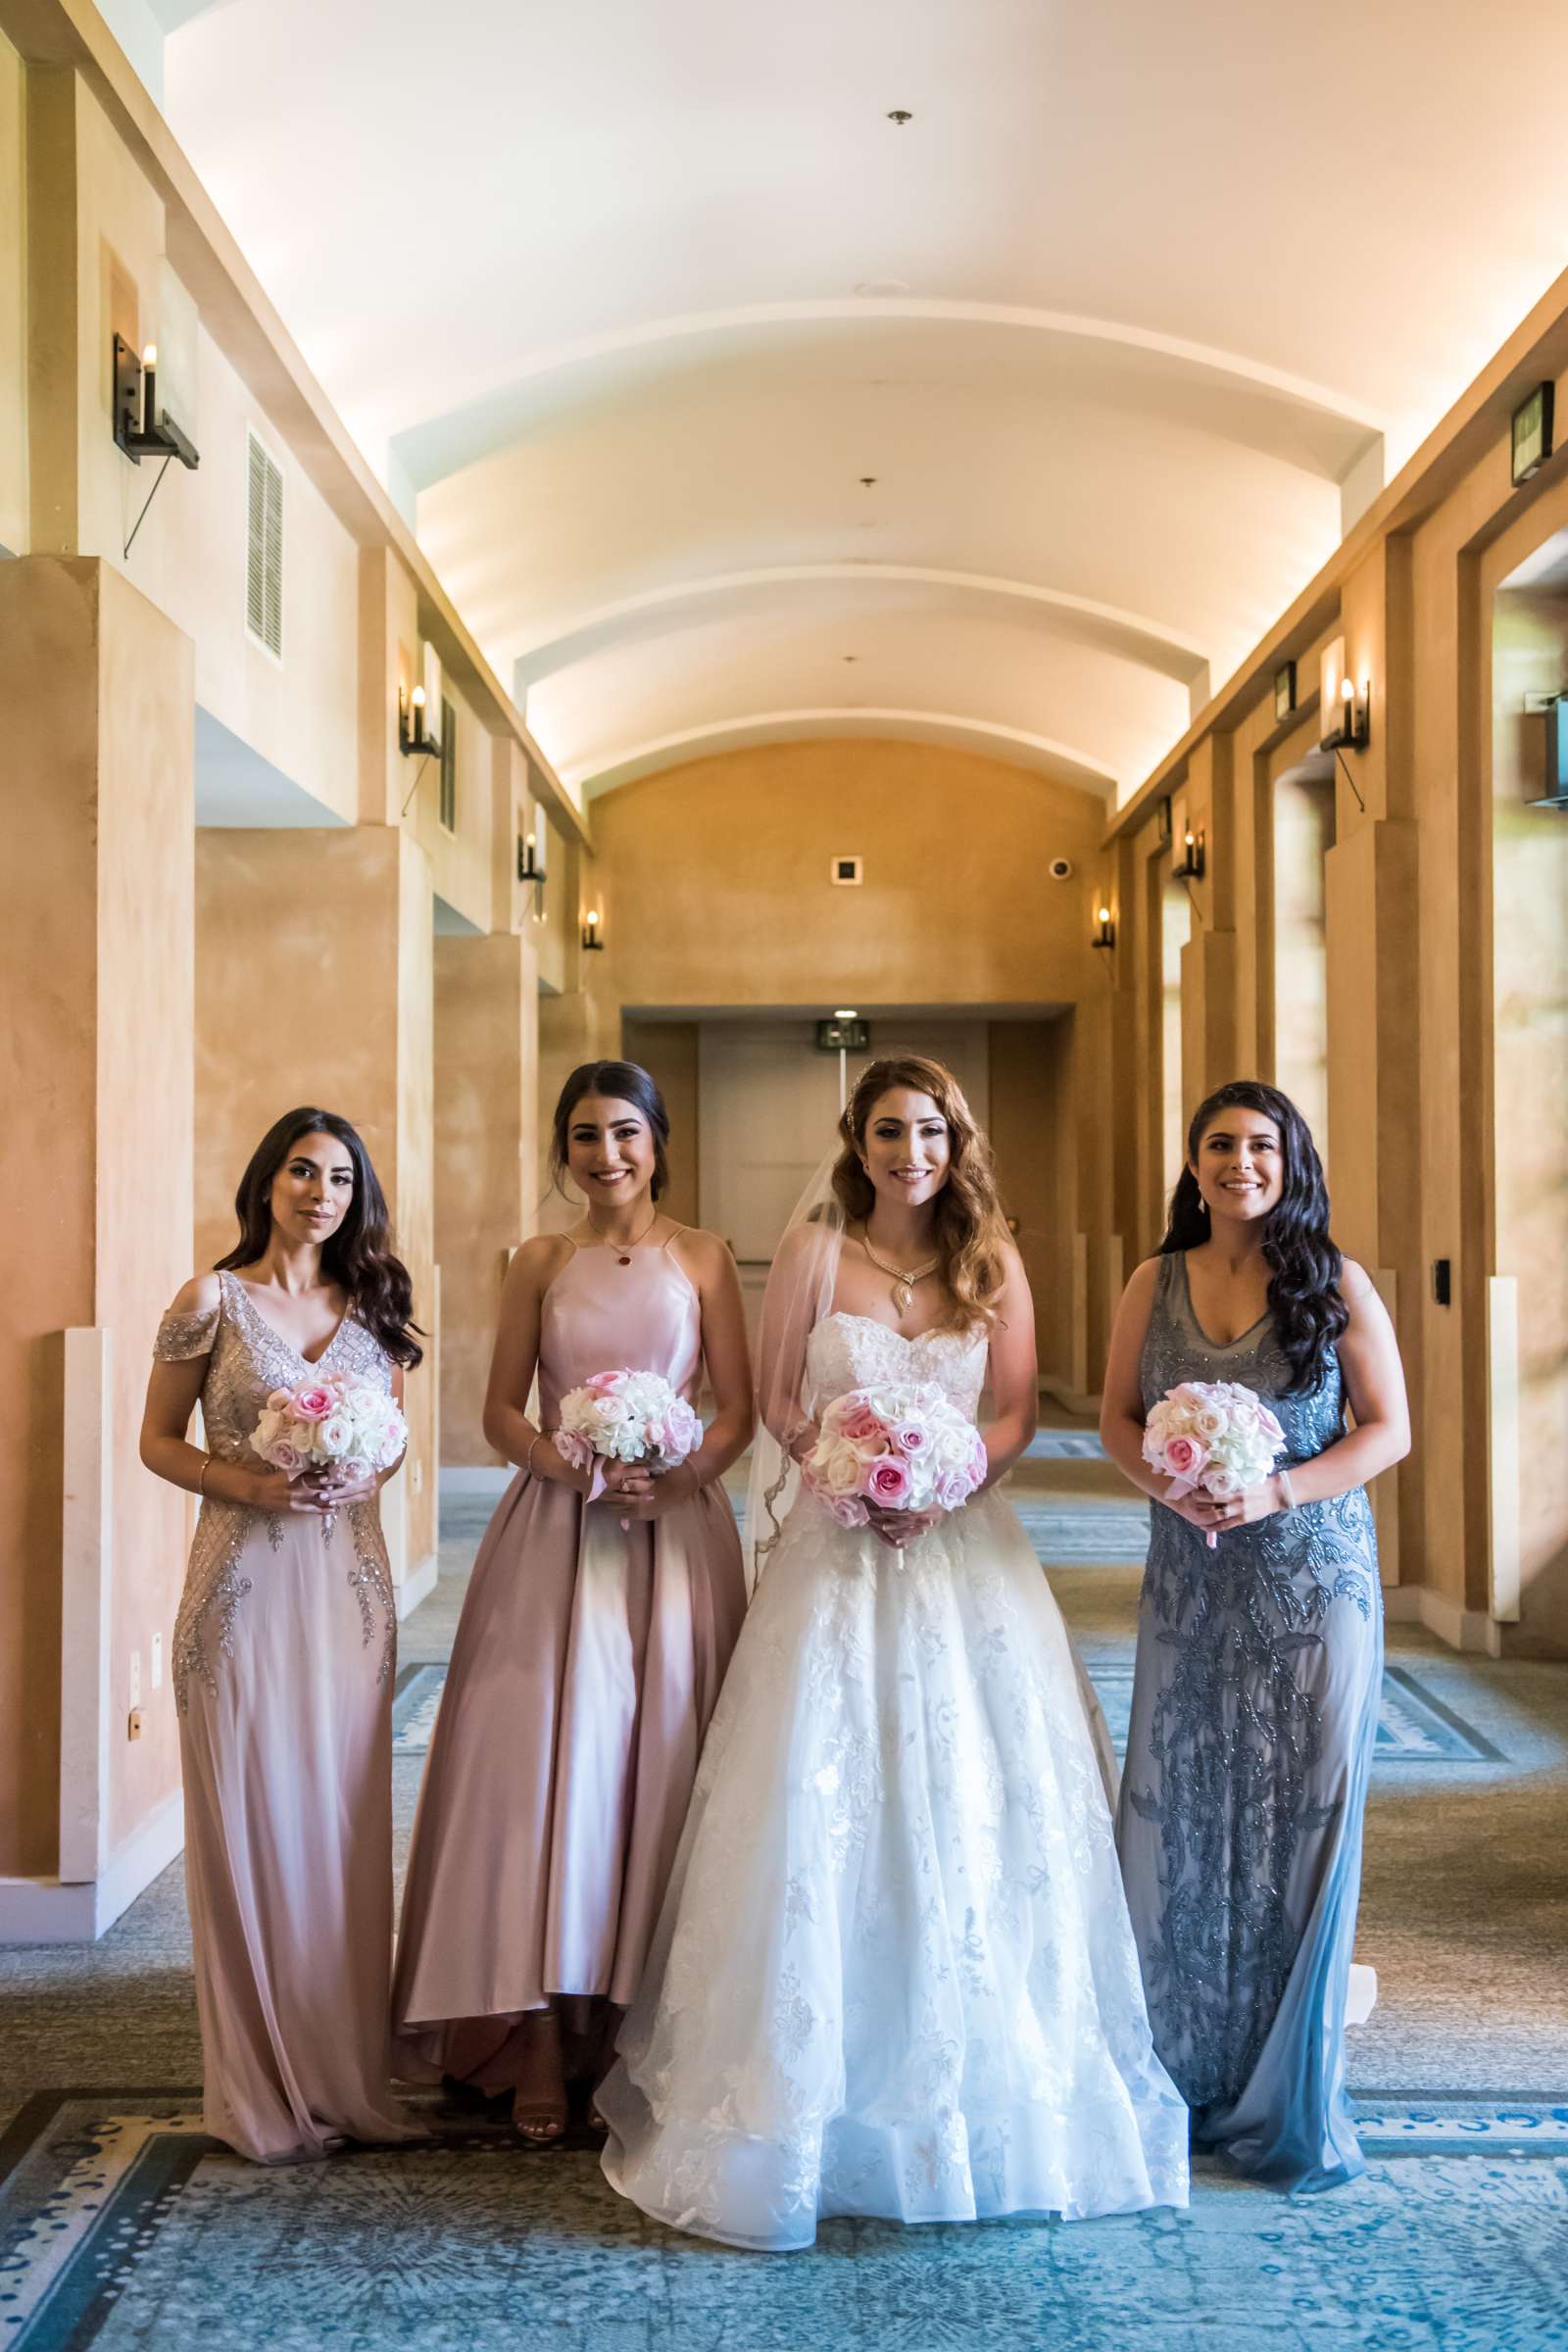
column 282, row 1665
column 1254, row 1720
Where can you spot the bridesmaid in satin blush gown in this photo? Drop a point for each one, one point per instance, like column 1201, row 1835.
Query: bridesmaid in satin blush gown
column 283, row 1656
column 592, row 1645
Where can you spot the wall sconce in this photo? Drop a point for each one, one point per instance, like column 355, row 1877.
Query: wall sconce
column 590, row 932
column 1106, row 936
column 529, row 866
column 1190, row 868
column 139, row 432
column 414, row 739
column 1345, row 708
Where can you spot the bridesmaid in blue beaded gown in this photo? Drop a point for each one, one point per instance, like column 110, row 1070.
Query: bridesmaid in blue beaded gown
column 1260, row 1661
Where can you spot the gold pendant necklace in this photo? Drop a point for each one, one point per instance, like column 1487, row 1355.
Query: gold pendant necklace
column 624, row 1249
column 902, row 1283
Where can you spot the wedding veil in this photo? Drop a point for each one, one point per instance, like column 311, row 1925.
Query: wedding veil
column 798, row 1294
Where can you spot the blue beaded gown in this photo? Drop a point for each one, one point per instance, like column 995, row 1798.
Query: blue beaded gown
column 1254, row 1720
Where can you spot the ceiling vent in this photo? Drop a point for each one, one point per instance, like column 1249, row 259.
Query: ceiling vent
column 263, row 550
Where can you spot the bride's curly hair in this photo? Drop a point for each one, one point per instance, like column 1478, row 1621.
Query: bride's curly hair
column 1304, row 1263
column 971, row 1233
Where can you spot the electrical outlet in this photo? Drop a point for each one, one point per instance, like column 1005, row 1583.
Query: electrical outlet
column 133, row 1724
column 135, row 1680
column 156, row 1662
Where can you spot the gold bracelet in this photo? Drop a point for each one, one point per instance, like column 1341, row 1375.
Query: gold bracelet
column 535, row 1440
column 201, row 1478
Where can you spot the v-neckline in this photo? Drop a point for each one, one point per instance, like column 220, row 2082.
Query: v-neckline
column 1220, row 1346
column 312, row 1363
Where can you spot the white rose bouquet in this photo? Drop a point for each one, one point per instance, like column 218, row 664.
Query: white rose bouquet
column 627, row 1416
column 330, row 1421
column 1214, row 1435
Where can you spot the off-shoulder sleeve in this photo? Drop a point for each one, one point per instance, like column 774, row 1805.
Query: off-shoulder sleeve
column 180, row 1337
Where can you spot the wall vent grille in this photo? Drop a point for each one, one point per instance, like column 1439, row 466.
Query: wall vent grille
column 263, row 550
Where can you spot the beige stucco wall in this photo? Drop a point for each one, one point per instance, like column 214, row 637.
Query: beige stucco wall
column 96, row 686
column 12, row 312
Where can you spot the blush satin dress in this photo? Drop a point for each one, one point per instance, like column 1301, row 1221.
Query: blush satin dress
column 587, row 1662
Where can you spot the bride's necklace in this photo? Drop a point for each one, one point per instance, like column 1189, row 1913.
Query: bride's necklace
column 902, row 1283
column 624, row 1249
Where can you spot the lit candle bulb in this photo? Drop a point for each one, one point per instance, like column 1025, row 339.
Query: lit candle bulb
column 416, row 730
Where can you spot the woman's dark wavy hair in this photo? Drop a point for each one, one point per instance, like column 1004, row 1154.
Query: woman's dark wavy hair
column 359, row 1255
column 622, row 1082
column 1304, row 1294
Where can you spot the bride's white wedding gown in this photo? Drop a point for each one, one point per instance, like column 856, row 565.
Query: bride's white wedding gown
column 894, row 1974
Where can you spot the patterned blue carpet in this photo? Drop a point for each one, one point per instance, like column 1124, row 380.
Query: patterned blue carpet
column 121, row 2226
column 1414, row 1726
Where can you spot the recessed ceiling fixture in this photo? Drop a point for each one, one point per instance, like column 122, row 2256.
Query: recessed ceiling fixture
column 868, row 482
column 899, row 114
column 851, row 657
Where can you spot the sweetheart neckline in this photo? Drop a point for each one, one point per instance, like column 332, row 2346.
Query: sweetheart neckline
column 932, row 1331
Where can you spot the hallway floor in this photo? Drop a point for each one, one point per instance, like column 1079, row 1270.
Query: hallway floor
column 119, row 2227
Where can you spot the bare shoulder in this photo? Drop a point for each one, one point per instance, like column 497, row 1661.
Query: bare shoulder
column 802, row 1242
column 705, row 1253
column 203, row 1294
column 1356, row 1285
column 1014, row 1274
column 1143, row 1282
column 537, row 1261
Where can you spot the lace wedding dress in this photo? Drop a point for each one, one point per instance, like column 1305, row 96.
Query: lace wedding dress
column 894, row 1974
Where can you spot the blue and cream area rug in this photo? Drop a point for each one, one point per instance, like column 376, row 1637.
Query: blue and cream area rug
column 121, row 2226
column 1414, row 1726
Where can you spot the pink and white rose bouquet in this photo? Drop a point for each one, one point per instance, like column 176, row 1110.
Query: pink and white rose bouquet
column 330, row 1421
column 627, row 1416
column 1213, row 1435
column 895, row 1447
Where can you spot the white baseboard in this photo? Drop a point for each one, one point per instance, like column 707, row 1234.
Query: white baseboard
column 56, row 1911
column 484, row 1478
column 1471, row 1631
column 418, row 1584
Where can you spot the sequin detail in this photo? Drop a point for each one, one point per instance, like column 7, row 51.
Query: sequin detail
column 1258, row 1654
column 248, row 1359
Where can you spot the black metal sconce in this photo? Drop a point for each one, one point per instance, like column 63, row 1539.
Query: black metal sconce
column 414, row 739
column 1106, row 936
column 139, row 432
column 1190, row 866
column 529, row 869
column 590, row 932
column 1351, row 723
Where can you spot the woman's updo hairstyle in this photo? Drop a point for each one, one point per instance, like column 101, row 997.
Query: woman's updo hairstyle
column 620, row 1081
column 1304, row 1264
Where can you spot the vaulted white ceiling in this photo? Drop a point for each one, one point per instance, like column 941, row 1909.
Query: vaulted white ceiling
column 734, row 411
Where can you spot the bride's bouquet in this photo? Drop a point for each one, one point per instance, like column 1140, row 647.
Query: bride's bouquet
column 330, row 1421
column 1213, row 1435
column 894, row 1447
column 627, row 1416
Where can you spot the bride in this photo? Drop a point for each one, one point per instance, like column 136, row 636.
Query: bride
column 894, row 1974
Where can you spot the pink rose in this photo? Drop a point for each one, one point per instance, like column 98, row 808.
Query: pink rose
column 909, row 1438
column 572, row 1448
column 286, row 1458
column 602, row 1383
column 312, row 1403
column 847, row 1509
column 1185, row 1457
column 953, row 1489
column 887, row 1482
column 858, row 1426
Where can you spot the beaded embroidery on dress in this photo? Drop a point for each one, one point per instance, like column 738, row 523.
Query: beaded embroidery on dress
column 1253, row 1719
column 894, row 1974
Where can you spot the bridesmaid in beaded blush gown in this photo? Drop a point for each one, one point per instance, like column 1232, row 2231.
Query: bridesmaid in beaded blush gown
column 283, row 1656
column 1259, row 1661
column 592, row 1641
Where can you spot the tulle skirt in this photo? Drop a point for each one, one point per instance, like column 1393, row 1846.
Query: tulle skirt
column 894, row 1974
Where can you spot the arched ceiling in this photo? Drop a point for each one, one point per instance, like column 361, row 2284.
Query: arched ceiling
column 733, row 410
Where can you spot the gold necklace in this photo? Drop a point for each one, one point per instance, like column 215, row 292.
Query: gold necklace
column 624, row 1249
column 902, row 1283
